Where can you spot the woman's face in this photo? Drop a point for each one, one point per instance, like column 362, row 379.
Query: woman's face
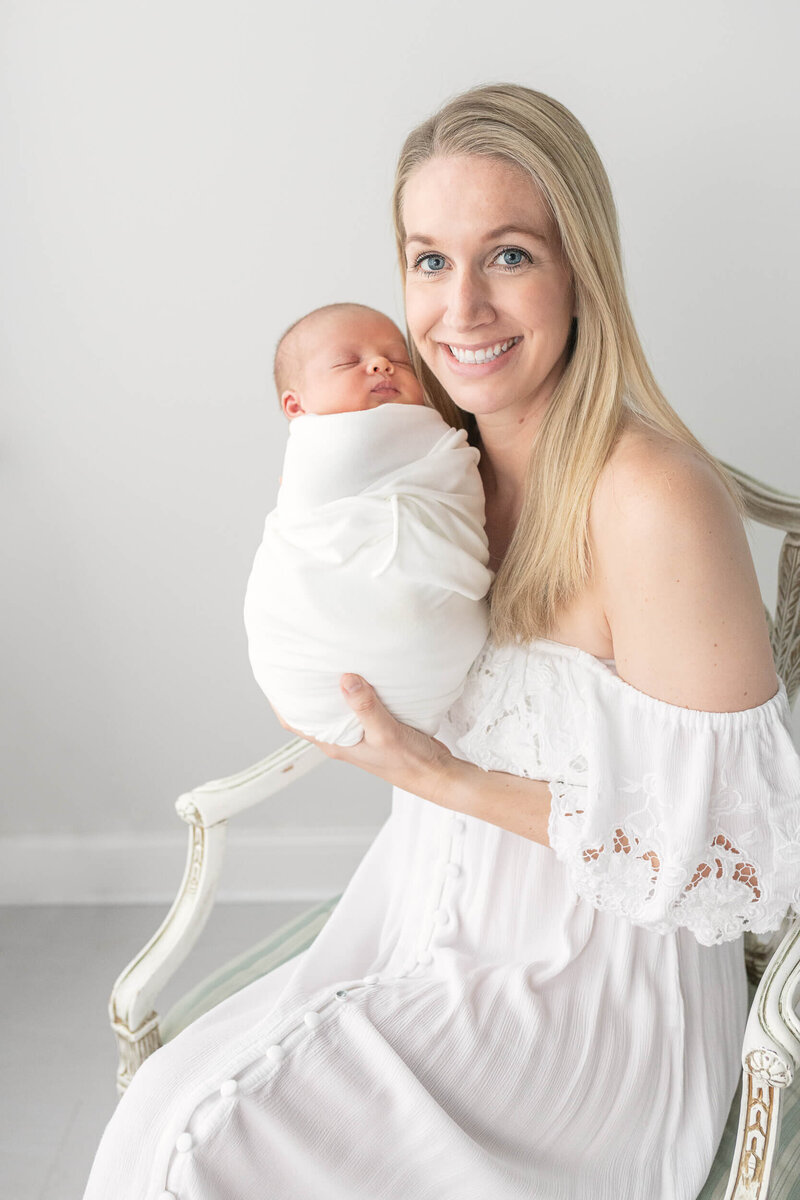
column 484, row 271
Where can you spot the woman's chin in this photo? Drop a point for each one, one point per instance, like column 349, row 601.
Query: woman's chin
column 480, row 401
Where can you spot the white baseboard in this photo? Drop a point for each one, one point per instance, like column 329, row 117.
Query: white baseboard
column 282, row 864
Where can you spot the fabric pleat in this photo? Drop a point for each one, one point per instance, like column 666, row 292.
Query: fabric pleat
column 476, row 1021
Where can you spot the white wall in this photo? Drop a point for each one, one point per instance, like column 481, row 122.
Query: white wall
column 184, row 178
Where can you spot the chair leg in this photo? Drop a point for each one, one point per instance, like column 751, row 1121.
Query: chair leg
column 759, row 1128
column 133, row 1047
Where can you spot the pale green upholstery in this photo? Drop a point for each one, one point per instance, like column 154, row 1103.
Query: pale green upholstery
column 287, row 941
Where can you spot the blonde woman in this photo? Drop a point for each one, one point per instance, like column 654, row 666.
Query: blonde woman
column 534, row 984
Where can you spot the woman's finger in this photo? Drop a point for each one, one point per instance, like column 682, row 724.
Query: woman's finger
column 362, row 698
column 390, row 749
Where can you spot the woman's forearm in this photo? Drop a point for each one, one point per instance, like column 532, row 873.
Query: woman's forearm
column 519, row 805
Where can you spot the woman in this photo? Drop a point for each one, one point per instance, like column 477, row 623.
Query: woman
column 534, row 984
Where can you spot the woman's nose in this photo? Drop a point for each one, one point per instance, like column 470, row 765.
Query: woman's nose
column 467, row 303
column 379, row 366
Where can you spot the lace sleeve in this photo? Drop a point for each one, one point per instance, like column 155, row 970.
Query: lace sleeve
column 675, row 817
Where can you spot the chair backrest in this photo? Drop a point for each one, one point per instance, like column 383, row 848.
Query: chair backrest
column 767, row 506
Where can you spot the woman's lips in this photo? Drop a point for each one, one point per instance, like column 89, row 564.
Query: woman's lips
column 478, row 370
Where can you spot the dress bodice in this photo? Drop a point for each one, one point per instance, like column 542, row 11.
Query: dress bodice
column 666, row 815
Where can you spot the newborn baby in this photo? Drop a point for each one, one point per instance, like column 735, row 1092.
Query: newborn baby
column 374, row 559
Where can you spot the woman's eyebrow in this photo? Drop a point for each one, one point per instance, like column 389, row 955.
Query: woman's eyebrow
column 501, row 231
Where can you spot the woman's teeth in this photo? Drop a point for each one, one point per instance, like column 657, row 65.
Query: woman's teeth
column 489, row 354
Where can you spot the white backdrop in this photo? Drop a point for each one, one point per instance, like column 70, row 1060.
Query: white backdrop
column 184, row 178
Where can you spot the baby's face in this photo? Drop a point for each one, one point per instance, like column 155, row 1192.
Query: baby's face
column 352, row 361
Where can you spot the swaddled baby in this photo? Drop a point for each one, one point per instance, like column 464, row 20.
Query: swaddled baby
column 374, row 560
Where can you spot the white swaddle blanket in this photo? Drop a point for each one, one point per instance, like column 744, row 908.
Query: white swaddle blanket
column 374, row 561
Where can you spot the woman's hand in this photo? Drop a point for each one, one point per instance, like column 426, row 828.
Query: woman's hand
column 395, row 752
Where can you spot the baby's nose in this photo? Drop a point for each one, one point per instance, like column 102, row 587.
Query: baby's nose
column 379, row 365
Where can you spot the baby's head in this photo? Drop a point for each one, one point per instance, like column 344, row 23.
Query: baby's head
column 343, row 358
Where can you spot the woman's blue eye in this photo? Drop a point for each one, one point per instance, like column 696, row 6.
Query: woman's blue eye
column 513, row 258
column 435, row 263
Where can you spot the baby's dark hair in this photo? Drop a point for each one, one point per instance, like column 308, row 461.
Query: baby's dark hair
column 286, row 364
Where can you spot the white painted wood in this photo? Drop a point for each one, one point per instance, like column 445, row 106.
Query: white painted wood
column 779, row 510
column 771, row 1049
column 132, row 1013
column 770, row 1057
column 224, row 798
column 131, row 1010
column 206, row 810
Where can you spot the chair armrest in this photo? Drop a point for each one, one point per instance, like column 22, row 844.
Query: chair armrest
column 770, row 1056
column 206, row 810
column 766, row 504
column 773, row 1028
column 221, row 799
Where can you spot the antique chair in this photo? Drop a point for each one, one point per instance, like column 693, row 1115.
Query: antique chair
column 759, row 1154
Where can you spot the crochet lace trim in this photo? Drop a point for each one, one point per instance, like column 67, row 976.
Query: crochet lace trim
column 524, row 711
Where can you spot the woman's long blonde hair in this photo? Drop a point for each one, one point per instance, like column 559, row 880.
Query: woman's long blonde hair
column 548, row 561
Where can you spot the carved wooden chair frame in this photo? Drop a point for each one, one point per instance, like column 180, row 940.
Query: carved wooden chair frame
column 771, row 1049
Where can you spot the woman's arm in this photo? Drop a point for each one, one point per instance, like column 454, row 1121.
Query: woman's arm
column 425, row 767
column 519, row 805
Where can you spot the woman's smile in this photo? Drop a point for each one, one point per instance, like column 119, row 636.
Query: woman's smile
column 480, row 360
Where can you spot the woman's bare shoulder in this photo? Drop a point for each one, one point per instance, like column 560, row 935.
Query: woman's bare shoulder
column 647, row 466
column 674, row 570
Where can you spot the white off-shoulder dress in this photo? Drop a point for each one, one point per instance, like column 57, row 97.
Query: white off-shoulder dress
column 487, row 1018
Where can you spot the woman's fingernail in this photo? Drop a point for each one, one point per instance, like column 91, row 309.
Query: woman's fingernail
column 352, row 683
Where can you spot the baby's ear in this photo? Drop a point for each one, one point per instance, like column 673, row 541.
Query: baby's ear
column 290, row 403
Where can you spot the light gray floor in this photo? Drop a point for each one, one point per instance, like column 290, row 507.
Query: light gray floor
column 57, row 1053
